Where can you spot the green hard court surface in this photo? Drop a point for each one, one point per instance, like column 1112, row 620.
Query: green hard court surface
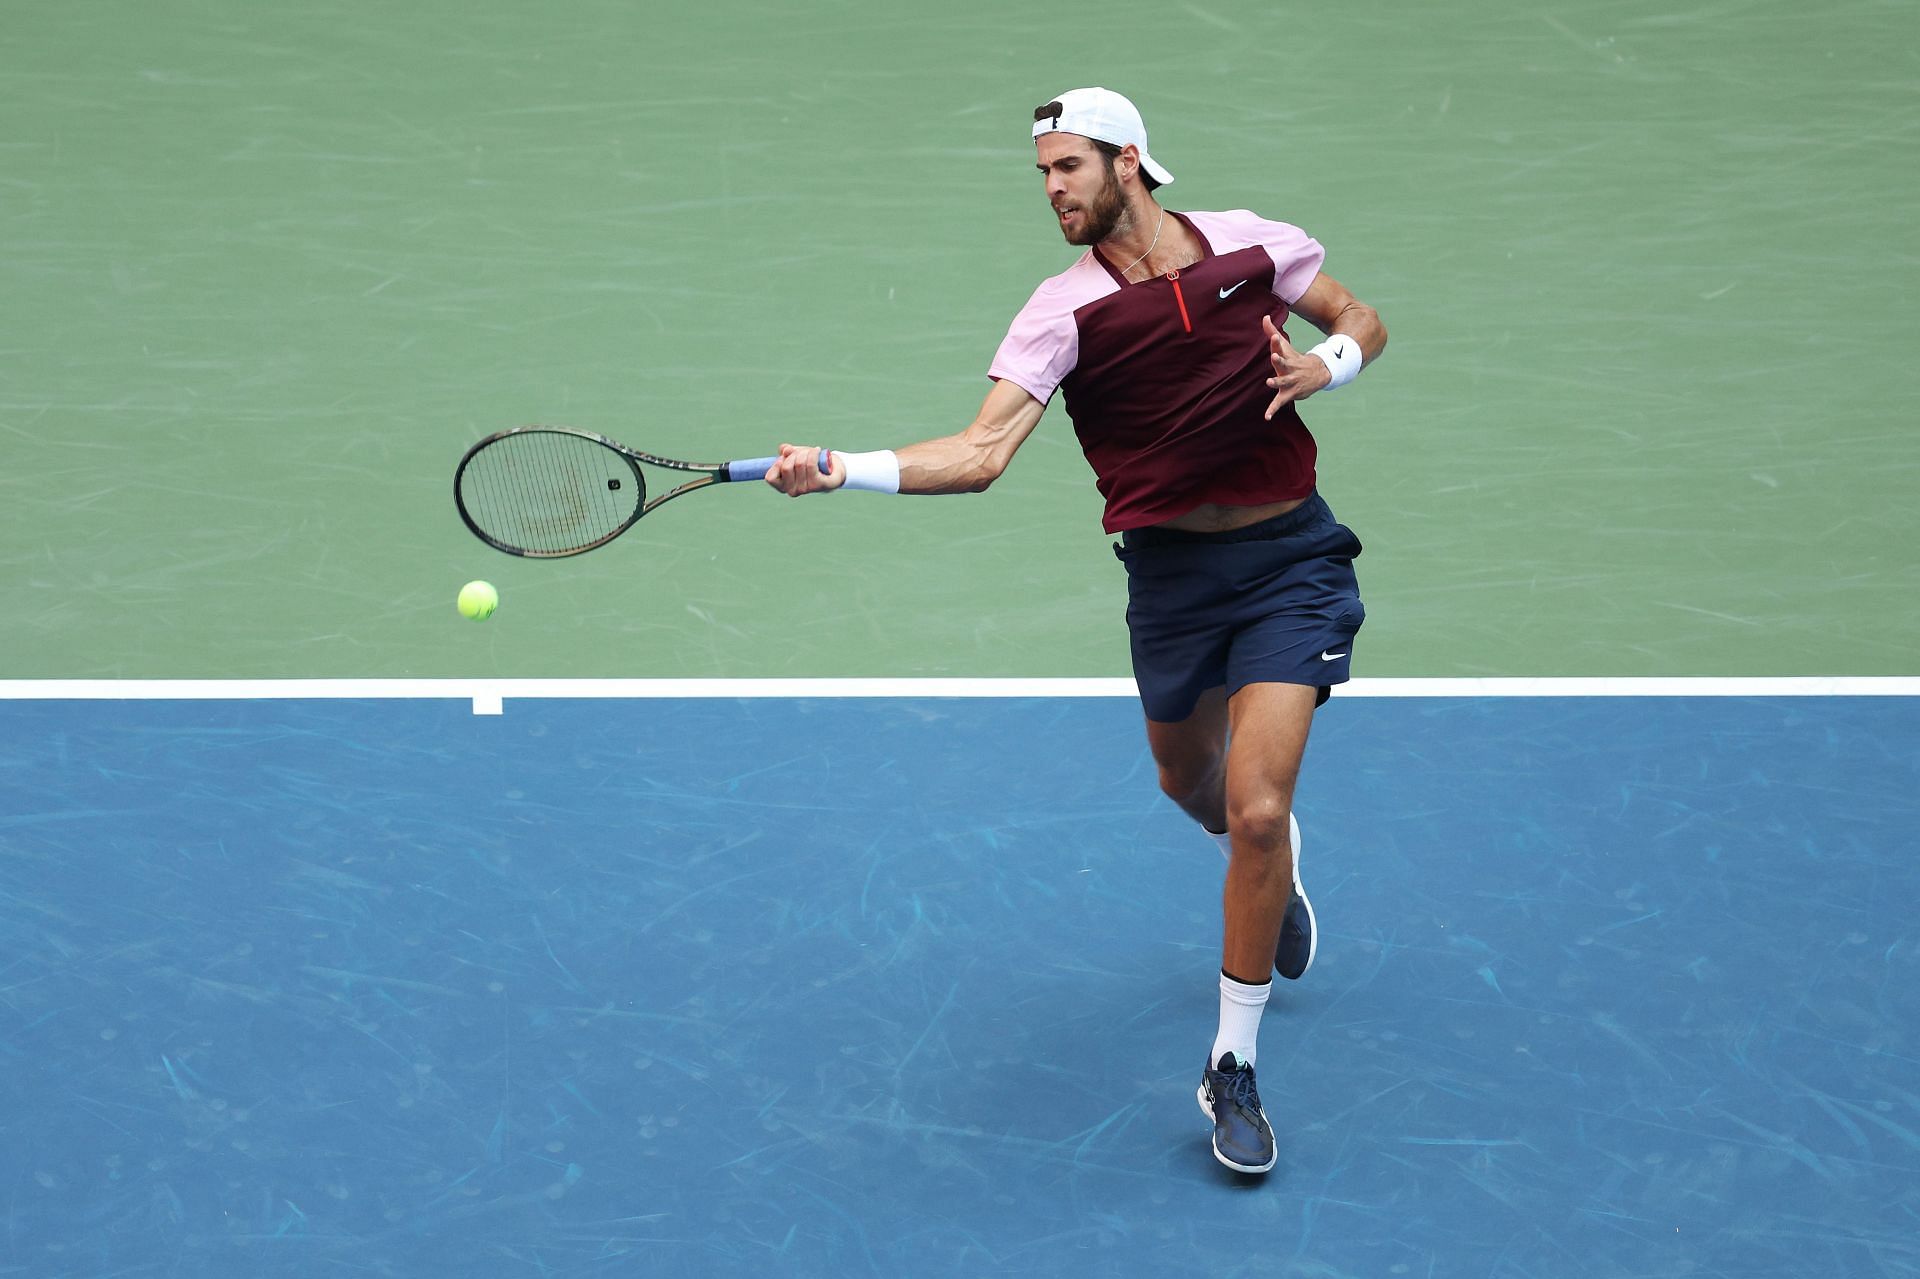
column 1649, row 269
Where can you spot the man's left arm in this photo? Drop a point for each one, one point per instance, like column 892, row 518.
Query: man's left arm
column 1355, row 337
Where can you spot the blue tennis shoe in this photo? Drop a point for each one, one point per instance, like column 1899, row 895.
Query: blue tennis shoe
column 1242, row 1138
column 1298, row 936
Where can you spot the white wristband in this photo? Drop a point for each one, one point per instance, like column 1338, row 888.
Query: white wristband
column 1341, row 354
column 878, row 472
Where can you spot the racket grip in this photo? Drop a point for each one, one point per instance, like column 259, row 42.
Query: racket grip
column 753, row 468
column 756, row 468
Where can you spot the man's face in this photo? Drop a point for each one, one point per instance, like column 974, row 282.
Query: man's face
column 1081, row 187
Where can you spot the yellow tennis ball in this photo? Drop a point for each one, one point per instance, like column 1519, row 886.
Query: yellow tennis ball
column 478, row 600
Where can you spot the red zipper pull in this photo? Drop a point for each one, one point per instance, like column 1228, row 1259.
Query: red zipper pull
column 1174, row 278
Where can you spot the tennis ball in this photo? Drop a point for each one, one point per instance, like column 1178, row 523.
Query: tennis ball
column 478, row 600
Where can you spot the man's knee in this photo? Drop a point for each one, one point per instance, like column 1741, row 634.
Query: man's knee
column 1192, row 776
column 1259, row 821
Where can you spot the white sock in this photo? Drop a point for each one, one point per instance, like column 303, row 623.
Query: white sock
column 1240, row 1009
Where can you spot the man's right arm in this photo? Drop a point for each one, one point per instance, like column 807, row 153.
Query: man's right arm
column 966, row 462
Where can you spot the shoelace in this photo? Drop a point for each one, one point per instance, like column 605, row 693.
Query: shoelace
column 1241, row 1090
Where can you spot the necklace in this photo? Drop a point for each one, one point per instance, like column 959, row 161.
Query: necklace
column 1156, row 240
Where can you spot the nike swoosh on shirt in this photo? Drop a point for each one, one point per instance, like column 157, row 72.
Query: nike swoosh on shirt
column 1227, row 293
column 1331, row 657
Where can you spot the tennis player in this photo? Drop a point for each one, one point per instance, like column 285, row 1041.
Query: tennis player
column 1166, row 340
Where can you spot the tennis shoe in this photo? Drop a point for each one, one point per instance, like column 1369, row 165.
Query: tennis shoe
column 1299, row 938
column 1242, row 1138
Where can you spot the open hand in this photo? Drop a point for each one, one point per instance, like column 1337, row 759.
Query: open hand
column 1295, row 376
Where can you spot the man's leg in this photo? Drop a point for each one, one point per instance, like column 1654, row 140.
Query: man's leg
column 1192, row 758
column 1268, row 725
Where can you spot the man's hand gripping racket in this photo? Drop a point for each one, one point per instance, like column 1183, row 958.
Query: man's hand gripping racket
column 800, row 470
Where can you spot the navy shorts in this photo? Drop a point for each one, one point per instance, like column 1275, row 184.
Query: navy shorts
column 1275, row 602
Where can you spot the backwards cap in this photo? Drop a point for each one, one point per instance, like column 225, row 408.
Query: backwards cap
column 1103, row 115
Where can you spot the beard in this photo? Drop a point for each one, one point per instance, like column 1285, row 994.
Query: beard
column 1102, row 215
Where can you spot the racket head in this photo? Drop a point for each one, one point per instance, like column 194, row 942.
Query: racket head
column 548, row 491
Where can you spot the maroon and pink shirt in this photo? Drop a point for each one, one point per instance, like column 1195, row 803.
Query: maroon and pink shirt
column 1166, row 379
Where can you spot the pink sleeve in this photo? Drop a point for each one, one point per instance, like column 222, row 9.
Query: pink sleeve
column 1041, row 347
column 1296, row 258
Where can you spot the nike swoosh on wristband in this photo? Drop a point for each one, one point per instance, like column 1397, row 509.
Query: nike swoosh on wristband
column 1331, row 657
column 1227, row 293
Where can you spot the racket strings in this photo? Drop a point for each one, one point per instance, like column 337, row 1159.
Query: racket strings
column 549, row 492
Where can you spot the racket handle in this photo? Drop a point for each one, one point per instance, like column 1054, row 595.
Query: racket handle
column 756, row 468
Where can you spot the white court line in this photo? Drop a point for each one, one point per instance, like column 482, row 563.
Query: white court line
column 489, row 695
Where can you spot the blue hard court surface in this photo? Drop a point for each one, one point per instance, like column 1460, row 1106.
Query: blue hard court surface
column 1607, row 987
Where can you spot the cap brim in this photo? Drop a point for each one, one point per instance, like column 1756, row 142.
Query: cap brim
column 1154, row 170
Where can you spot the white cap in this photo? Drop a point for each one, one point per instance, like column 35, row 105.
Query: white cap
column 1103, row 115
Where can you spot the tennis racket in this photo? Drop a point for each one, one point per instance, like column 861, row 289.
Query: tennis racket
column 550, row 491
